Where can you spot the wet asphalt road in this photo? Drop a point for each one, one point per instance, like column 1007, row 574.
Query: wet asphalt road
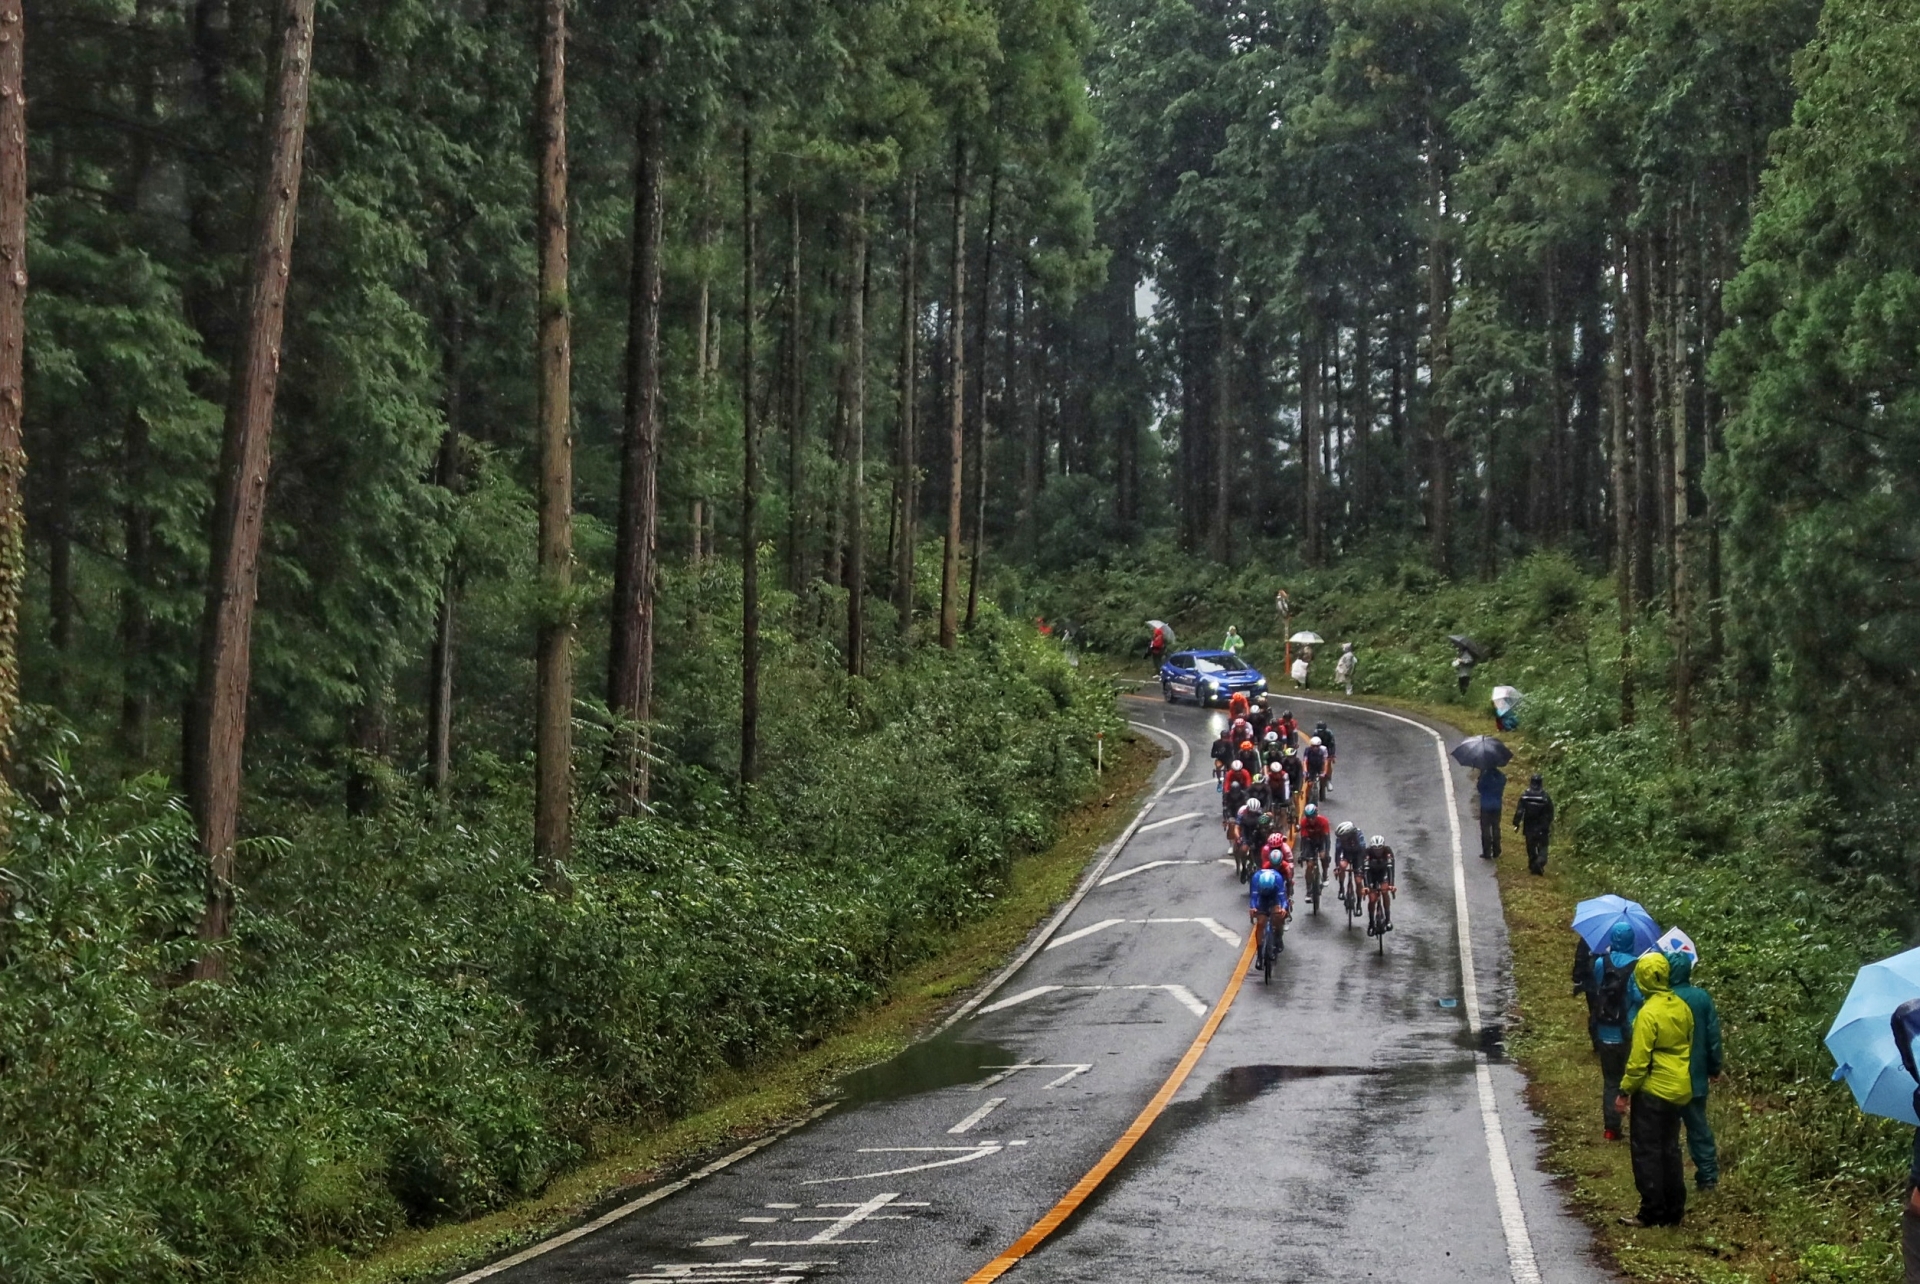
column 1334, row 1130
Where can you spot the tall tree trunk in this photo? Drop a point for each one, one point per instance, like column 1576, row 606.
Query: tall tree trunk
column 791, row 405
column 749, row 482
column 1219, row 528
column 446, row 473
column 13, row 327
column 636, row 558
column 956, row 404
column 981, row 427
column 702, row 381
column 553, row 659
column 1645, row 519
column 1678, row 365
column 1312, row 429
column 1033, row 451
column 1439, row 358
column 56, row 477
column 1623, row 493
column 856, row 568
column 906, row 488
column 1715, row 268
column 1127, row 343
column 136, row 623
column 1361, row 488
column 218, row 730
column 1661, row 278
column 1556, row 517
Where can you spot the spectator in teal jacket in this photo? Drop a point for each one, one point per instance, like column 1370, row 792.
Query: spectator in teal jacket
column 1708, row 1061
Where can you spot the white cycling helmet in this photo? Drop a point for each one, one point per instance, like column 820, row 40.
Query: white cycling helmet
column 1346, row 827
column 1316, row 740
column 1237, row 766
column 1378, row 840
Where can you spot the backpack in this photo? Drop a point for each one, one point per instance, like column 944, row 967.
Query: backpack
column 1610, row 1000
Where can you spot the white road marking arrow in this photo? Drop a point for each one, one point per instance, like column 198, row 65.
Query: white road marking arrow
column 970, row 1154
column 1231, row 938
column 1072, row 1068
column 1158, row 864
column 838, row 1226
column 1171, row 820
column 966, row 1124
column 1186, row 998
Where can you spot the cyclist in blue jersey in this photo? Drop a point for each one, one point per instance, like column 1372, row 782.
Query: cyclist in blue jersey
column 1266, row 897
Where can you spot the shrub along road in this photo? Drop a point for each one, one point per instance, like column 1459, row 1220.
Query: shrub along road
column 1346, row 1123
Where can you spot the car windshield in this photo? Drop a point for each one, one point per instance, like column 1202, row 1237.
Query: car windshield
column 1219, row 664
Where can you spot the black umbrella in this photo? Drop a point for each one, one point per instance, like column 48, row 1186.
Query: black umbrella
column 1481, row 752
column 1466, row 644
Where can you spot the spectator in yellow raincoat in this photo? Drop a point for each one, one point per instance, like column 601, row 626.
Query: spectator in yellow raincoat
column 1659, row 1083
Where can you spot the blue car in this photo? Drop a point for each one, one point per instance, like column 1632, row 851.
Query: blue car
column 1209, row 677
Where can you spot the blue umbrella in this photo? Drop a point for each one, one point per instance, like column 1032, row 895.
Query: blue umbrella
column 1594, row 921
column 1861, row 1039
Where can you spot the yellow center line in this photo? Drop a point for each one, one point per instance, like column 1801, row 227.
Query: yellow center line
column 1135, row 1131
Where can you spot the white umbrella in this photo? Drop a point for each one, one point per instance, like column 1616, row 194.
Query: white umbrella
column 1504, row 699
column 1307, row 638
column 1166, row 628
column 1677, row 942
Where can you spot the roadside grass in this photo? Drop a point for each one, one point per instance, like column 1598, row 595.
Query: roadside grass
column 737, row 1106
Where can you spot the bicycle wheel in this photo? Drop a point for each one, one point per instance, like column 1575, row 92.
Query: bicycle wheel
column 1313, row 883
column 1266, row 951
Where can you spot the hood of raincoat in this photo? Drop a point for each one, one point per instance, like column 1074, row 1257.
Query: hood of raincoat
column 1620, row 940
column 1679, row 968
column 1653, row 974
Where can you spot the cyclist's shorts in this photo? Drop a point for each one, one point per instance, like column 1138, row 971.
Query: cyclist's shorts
column 1377, row 873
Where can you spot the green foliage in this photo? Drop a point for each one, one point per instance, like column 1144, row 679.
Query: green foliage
column 1819, row 478
column 416, row 1032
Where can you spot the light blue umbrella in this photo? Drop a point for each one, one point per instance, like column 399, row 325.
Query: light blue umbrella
column 1861, row 1039
column 1594, row 921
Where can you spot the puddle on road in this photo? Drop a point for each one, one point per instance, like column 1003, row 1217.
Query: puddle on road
column 924, row 1067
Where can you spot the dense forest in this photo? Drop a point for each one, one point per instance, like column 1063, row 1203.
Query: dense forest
column 479, row 477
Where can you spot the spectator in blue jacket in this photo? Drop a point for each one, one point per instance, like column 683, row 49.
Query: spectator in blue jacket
column 1612, row 977
column 1493, row 788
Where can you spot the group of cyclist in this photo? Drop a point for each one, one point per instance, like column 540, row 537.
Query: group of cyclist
column 1271, row 792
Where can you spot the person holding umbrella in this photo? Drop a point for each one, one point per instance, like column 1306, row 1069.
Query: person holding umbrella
column 1159, row 638
column 1906, row 1024
column 1466, row 655
column 1872, row 1042
column 1493, row 796
column 1487, row 755
column 1616, row 930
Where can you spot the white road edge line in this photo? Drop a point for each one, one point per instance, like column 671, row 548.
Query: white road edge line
column 634, row 1206
column 1521, row 1263
column 1198, row 784
column 966, row 1124
column 1087, row 884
